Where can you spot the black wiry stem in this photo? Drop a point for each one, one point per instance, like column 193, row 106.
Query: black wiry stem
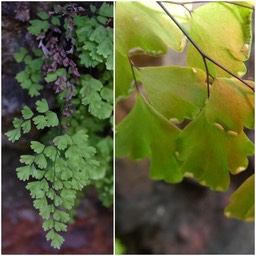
column 205, row 56
column 133, row 74
column 207, row 77
column 183, row 4
column 203, row 2
column 238, row 4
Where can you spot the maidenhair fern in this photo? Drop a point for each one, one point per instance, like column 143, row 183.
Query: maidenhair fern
column 60, row 170
column 44, row 118
column 31, row 77
column 209, row 93
column 73, row 60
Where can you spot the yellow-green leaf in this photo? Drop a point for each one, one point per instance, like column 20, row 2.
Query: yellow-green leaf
column 176, row 92
column 26, row 126
column 52, row 119
column 40, row 121
column 13, row 135
column 146, row 133
column 38, row 26
column 27, row 113
column 37, row 146
column 231, row 105
column 42, row 106
column 146, row 27
column 242, row 202
column 41, row 161
column 223, row 31
column 208, row 153
column 27, row 159
column 19, row 56
column 23, row 172
column 123, row 75
column 50, row 152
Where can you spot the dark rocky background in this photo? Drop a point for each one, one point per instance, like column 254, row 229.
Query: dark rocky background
column 92, row 230
column 186, row 218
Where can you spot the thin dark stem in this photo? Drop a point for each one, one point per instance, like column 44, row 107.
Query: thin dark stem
column 207, row 77
column 242, row 5
column 133, row 74
column 181, row 28
column 203, row 2
column 229, row 72
column 135, row 81
column 205, row 56
column 186, row 8
column 211, row 76
column 183, row 4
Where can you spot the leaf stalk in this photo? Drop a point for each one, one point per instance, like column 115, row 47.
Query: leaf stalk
column 204, row 55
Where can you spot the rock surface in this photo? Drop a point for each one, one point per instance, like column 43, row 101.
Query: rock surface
column 186, row 218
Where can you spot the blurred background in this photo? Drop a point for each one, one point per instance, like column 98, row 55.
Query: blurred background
column 185, row 218
column 22, row 233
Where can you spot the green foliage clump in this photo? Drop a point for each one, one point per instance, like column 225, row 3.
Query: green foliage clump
column 76, row 151
column 31, row 77
column 59, row 171
column 94, row 40
column 45, row 118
